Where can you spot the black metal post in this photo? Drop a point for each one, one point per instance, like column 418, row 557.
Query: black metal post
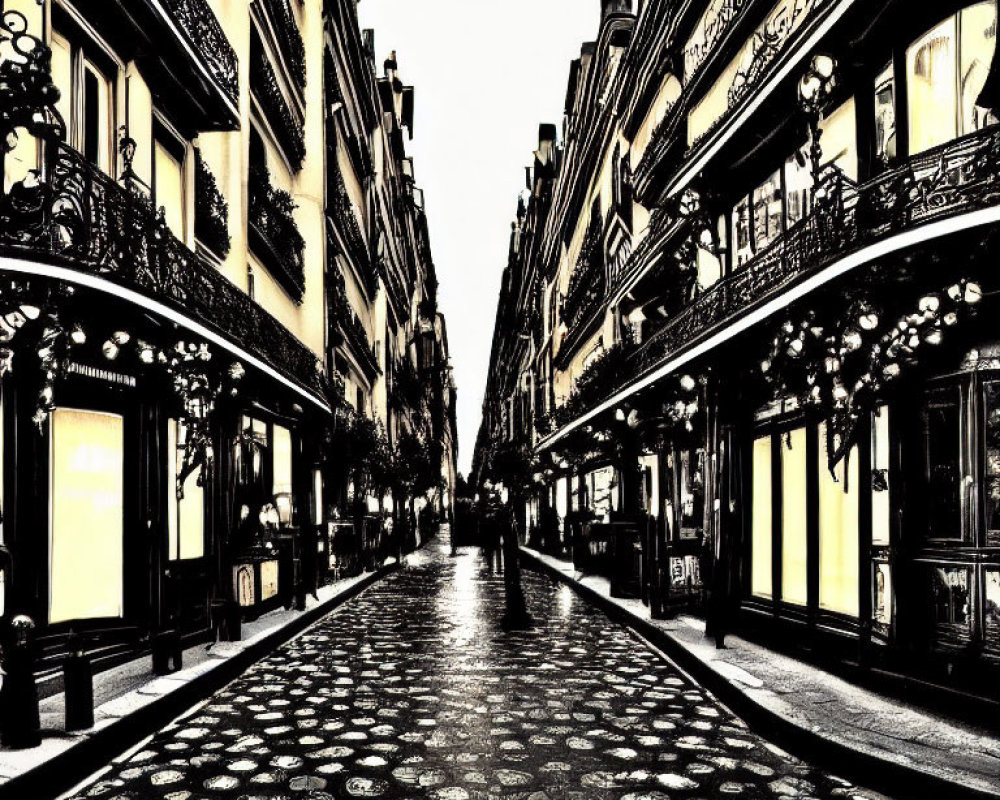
column 78, row 687
column 20, row 723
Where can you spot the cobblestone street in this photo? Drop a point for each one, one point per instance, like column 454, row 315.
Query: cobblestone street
column 414, row 690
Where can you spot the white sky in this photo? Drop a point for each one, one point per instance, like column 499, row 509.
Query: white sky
column 485, row 75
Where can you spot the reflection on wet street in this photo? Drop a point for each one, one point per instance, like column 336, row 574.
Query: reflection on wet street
column 414, row 690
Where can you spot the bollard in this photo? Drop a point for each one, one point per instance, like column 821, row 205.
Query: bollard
column 168, row 654
column 78, row 685
column 20, row 724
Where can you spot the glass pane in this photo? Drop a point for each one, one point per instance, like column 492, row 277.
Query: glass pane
column 840, row 139
column 767, row 211
column 930, row 75
column 794, row 518
column 282, row 460
column 743, row 247
column 885, row 115
column 761, row 557
column 991, row 477
column 943, row 464
column 798, row 184
column 880, row 477
column 185, row 518
column 170, row 189
column 838, row 532
column 951, row 609
column 86, row 491
column 992, row 609
column 692, row 493
column 882, row 601
column 979, row 36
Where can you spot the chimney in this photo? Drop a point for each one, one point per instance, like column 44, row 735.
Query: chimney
column 609, row 7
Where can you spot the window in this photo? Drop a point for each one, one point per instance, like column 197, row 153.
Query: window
column 942, row 445
column 86, row 490
column 281, row 454
column 798, row 188
column 840, row 139
column 794, row 518
column 169, row 183
column 692, row 492
column 885, row 115
column 768, row 209
column 186, row 516
column 95, row 140
column 762, row 534
column 317, row 497
column 838, row 531
column 880, row 478
column 946, row 69
column 743, row 250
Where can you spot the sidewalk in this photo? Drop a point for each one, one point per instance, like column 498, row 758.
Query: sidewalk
column 881, row 742
column 131, row 703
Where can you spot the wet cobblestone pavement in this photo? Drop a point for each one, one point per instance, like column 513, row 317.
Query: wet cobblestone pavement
column 412, row 690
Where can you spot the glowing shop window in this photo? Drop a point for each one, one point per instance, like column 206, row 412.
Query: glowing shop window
column 185, row 518
column 794, row 518
column 317, row 497
column 86, row 488
column 562, row 498
column 838, row 532
column 885, row 114
column 930, row 75
column 880, row 477
column 761, row 559
column 978, row 32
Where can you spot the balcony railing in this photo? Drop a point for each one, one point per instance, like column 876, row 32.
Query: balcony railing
column 289, row 38
column 588, row 283
column 341, row 211
column 956, row 178
column 346, row 321
column 82, row 219
column 274, row 235
column 286, row 126
column 206, row 37
column 714, row 25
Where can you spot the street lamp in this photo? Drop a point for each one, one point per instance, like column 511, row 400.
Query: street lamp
column 815, row 87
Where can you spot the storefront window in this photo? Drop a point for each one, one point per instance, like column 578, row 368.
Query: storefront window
column 761, row 583
column 838, row 532
column 794, row 518
column 950, row 595
column 281, row 453
column 946, row 69
column 880, row 477
column 991, row 477
column 992, row 609
column 185, row 517
column 743, row 250
column 86, row 490
column 882, row 599
column 692, row 493
column 943, row 463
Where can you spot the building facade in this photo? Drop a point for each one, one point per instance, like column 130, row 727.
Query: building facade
column 212, row 257
column 746, row 317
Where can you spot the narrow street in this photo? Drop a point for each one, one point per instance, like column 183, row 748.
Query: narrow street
column 414, row 690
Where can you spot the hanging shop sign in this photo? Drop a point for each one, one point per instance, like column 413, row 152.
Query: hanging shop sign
column 101, row 374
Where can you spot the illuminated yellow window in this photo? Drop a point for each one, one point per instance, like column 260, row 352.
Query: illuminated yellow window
column 170, row 188
column 762, row 533
column 794, row 518
column 86, row 488
column 281, row 452
column 946, row 70
column 185, row 518
column 317, row 497
column 840, row 139
column 838, row 532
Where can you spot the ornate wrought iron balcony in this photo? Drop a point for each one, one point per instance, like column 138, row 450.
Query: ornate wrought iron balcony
column 82, row 219
column 289, row 38
column 286, row 126
column 344, row 319
column 723, row 14
column 211, row 211
column 341, row 211
column 960, row 177
column 274, row 235
column 587, row 286
column 206, row 37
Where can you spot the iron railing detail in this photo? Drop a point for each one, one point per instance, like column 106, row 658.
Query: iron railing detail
column 289, row 39
column 956, row 178
column 207, row 38
column 341, row 210
column 274, row 234
column 285, row 124
column 81, row 218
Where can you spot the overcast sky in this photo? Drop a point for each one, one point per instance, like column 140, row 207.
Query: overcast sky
column 485, row 75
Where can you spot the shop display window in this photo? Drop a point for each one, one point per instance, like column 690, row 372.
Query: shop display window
column 942, row 444
column 991, row 466
column 951, row 604
column 86, row 484
column 761, row 583
column 794, row 518
column 185, row 516
column 692, row 463
column 839, row 533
